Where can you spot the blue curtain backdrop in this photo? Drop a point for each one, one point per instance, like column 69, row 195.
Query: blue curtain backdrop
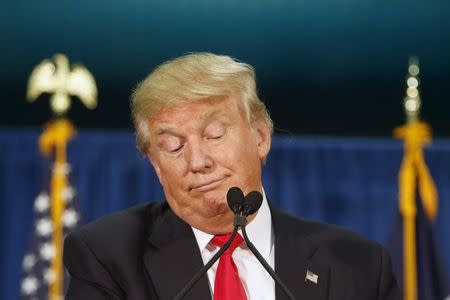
column 351, row 182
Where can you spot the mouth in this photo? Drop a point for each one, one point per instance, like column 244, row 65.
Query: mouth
column 207, row 185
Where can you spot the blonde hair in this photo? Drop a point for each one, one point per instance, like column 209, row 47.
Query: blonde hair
column 197, row 76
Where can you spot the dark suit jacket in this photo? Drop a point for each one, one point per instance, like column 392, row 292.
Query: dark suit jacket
column 147, row 252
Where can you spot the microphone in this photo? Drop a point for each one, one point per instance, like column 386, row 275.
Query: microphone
column 252, row 203
column 235, row 200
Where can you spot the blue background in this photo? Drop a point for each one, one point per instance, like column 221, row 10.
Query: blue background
column 351, row 182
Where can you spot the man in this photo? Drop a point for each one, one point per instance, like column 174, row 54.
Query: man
column 199, row 121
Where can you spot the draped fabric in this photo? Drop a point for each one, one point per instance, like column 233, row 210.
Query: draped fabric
column 351, row 182
column 417, row 260
column 431, row 274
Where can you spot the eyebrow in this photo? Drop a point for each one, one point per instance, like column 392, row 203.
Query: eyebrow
column 209, row 115
column 165, row 130
column 205, row 117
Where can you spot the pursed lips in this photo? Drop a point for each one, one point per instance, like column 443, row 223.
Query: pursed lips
column 207, row 185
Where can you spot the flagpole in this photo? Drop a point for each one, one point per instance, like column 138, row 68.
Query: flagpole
column 61, row 81
column 414, row 175
column 56, row 136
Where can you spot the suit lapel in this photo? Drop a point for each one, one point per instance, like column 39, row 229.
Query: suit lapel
column 293, row 260
column 172, row 258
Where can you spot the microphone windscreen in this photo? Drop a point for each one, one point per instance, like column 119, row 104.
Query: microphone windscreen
column 235, row 199
column 252, row 202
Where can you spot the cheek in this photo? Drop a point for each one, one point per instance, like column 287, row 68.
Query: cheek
column 172, row 171
column 240, row 156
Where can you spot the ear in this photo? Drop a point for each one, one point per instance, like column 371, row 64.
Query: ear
column 263, row 139
column 154, row 162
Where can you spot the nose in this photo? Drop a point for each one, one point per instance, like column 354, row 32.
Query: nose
column 199, row 158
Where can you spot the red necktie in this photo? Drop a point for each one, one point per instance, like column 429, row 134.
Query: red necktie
column 228, row 285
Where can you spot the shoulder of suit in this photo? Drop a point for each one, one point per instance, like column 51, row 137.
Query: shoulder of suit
column 332, row 240
column 119, row 231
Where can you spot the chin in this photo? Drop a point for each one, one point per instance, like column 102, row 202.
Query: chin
column 215, row 206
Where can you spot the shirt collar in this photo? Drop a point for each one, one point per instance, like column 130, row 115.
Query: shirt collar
column 259, row 231
column 202, row 238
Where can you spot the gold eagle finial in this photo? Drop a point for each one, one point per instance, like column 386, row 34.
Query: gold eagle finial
column 58, row 79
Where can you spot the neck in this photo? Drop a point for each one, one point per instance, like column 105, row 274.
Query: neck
column 220, row 227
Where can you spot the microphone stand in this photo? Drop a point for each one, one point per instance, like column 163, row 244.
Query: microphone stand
column 266, row 265
column 235, row 201
column 239, row 221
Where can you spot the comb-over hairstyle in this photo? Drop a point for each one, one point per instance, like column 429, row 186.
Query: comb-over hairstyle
column 193, row 77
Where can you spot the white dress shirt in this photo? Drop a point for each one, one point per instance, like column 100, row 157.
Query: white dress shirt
column 256, row 281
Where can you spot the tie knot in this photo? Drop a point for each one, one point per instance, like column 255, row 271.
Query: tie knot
column 220, row 240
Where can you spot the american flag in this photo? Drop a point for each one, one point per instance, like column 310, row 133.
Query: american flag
column 311, row 276
column 38, row 274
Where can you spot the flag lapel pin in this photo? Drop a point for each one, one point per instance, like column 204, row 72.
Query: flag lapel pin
column 311, row 277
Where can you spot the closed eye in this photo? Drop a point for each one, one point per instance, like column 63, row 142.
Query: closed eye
column 171, row 144
column 176, row 149
column 216, row 137
column 215, row 131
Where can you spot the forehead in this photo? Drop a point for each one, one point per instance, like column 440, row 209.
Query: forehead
column 190, row 112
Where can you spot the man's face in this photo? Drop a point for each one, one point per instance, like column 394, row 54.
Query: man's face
column 201, row 149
